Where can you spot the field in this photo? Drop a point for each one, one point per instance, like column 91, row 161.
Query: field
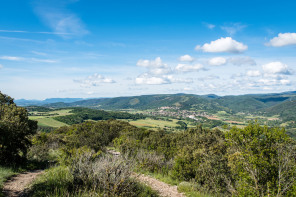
column 46, row 118
column 156, row 124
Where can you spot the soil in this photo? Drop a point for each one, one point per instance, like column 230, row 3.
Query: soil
column 162, row 188
column 16, row 185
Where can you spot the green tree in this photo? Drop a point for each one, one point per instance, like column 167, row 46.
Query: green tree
column 15, row 129
column 262, row 161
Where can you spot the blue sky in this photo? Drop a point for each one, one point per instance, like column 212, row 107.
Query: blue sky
column 108, row 48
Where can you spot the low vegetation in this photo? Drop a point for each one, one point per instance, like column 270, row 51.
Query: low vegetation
column 254, row 160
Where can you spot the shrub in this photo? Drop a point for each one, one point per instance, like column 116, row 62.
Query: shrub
column 262, row 161
column 110, row 175
column 15, row 129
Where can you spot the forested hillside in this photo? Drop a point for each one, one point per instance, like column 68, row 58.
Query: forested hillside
column 240, row 103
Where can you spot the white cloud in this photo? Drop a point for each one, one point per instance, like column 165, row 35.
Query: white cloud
column 217, row 61
column 238, row 61
column 160, row 71
column 157, row 63
column 189, row 68
column 223, row 45
column 180, row 80
column 12, row 58
column 1, row 66
column 43, row 60
column 151, row 80
column 210, row 77
column 94, row 80
column 253, row 73
column 276, row 68
column 33, row 32
column 285, row 82
column 233, row 28
column 273, row 82
column 283, row 39
column 187, row 89
column 186, row 58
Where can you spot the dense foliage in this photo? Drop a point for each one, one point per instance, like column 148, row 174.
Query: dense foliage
column 83, row 165
column 15, row 129
column 81, row 114
column 253, row 161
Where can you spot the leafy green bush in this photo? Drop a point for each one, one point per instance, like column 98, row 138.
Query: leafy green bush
column 262, row 161
column 15, row 129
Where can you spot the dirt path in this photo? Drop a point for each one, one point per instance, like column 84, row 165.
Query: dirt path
column 162, row 188
column 16, row 186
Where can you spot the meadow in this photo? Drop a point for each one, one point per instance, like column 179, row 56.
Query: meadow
column 47, row 118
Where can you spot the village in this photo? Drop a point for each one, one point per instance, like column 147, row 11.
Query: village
column 177, row 113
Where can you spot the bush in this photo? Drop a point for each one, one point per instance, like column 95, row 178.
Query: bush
column 153, row 162
column 262, row 161
column 109, row 174
column 15, row 129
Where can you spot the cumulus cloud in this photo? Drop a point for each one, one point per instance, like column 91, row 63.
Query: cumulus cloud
column 253, row 73
column 157, row 63
column 160, row 71
column 283, row 39
column 147, row 79
column 186, row 58
column 223, row 45
column 273, row 82
column 152, row 80
column 189, row 68
column 238, row 61
column 207, row 78
column 217, row 61
column 94, row 80
column 276, row 68
column 233, row 28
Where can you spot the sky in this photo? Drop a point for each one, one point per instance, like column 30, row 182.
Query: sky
column 110, row 48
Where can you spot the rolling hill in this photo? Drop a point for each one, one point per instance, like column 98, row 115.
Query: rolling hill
column 272, row 104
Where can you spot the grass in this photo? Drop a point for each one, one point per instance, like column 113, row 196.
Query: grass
column 58, row 181
column 5, row 173
column 183, row 187
column 47, row 119
column 50, row 122
column 150, row 123
column 155, row 124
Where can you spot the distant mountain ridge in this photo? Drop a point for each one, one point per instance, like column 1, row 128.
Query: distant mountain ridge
column 265, row 103
column 211, row 102
column 24, row 102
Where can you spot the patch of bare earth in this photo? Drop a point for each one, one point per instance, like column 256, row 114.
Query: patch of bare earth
column 16, row 185
column 162, row 188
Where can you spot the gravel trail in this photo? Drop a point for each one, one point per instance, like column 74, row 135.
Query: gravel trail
column 16, row 185
column 162, row 188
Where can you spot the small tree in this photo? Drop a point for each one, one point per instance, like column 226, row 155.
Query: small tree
column 262, row 161
column 15, row 128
